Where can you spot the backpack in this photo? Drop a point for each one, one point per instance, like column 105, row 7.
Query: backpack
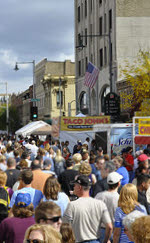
column 4, row 202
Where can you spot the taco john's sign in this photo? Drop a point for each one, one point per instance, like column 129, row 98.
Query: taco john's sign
column 82, row 123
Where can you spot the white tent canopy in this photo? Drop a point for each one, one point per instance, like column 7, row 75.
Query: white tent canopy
column 36, row 128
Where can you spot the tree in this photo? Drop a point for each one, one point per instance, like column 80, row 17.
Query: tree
column 14, row 121
column 137, row 76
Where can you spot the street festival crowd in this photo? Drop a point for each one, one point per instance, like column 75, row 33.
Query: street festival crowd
column 51, row 194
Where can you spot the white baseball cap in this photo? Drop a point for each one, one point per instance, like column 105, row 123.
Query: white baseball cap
column 114, row 178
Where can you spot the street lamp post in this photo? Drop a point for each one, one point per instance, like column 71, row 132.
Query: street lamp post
column 7, row 107
column 16, row 69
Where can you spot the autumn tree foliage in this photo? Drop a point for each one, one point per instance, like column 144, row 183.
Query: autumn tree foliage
column 137, row 76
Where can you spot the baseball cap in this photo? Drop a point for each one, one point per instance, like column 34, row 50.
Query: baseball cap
column 114, row 178
column 23, row 200
column 83, row 180
column 142, row 157
column 46, row 163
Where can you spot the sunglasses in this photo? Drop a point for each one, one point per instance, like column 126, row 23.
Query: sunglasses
column 54, row 219
column 35, row 241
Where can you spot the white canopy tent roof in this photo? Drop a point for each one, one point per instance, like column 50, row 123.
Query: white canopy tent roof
column 36, row 128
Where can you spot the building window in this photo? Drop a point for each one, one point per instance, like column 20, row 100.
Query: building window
column 82, row 11
column 100, row 2
column 111, row 53
column 105, row 23
column 101, row 25
column 79, row 68
column 82, row 66
column 110, row 19
column 91, row 5
column 59, row 96
column 105, row 55
column 101, row 57
column 79, row 39
column 86, row 63
column 85, row 8
column 91, row 58
column 86, row 37
column 79, row 14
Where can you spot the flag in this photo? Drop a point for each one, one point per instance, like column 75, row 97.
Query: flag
column 91, row 75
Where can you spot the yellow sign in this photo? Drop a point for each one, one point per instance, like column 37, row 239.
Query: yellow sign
column 82, row 123
column 144, row 126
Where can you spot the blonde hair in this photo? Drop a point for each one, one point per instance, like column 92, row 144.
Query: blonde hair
column 128, row 198
column 58, row 157
column 3, row 150
column 47, row 147
column 3, row 178
column 140, row 230
column 67, row 233
column 50, row 235
column 85, row 169
column 77, row 158
column 119, row 159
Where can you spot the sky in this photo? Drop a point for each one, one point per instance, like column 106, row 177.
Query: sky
column 33, row 30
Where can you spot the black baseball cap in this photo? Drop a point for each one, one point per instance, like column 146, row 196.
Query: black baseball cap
column 83, row 180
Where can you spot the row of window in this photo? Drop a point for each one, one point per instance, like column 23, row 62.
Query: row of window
column 82, row 10
column 103, row 60
column 102, row 28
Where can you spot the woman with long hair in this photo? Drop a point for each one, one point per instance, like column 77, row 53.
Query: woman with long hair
column 126, row 204
column 67, row 233
column 59, row 163
column 52, row 192
column 42, row 234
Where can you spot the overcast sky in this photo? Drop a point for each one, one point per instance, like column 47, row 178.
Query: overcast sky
column 33, row 30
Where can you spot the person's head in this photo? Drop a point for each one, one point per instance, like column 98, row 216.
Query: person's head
column 113, row 180
column 51, row 188
column 129, row 220
column 3, row 150
column 16, row 153
column 67, row 143
column 85, row 155
column 108, row 168
column 23, row 164
column 82, row 185
column 140, row 230
column 25, row 155
column 26, row 176
column 23, row 208
column 47, row 164
column 128, row 198
column 35, row 165
column 85, row 169
column 118, row 161
column 100, row 151
column 143, row 160
column 11, row 163
column 67, row 233
column 2, row 159
column 46, row 147
column 77, row 158
column 100, row 162
column 88, row 139
column 113, row 155
column 92, row 159
column 42, row 234
column 3, row 178
column 48, row 213
column 143, row 182
column 69, row 163
column 106, row 157
column 123, row 152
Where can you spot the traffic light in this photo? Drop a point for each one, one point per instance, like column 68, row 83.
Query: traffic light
column 34, row 113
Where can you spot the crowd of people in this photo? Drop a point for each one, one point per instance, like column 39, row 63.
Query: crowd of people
column 50, row 193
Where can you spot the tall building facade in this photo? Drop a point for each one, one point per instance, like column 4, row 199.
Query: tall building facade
column 111, row 31
column 55, row 88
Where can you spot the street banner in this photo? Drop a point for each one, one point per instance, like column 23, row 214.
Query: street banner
column 82, row 123
column 144, row 126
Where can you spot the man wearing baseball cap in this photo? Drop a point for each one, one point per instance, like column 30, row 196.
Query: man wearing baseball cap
column 110, row 197
column 86, row 214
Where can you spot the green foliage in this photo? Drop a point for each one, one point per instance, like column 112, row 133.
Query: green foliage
column 14, row 120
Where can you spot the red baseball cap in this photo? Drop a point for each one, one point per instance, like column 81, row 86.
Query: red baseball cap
column 142, row 157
